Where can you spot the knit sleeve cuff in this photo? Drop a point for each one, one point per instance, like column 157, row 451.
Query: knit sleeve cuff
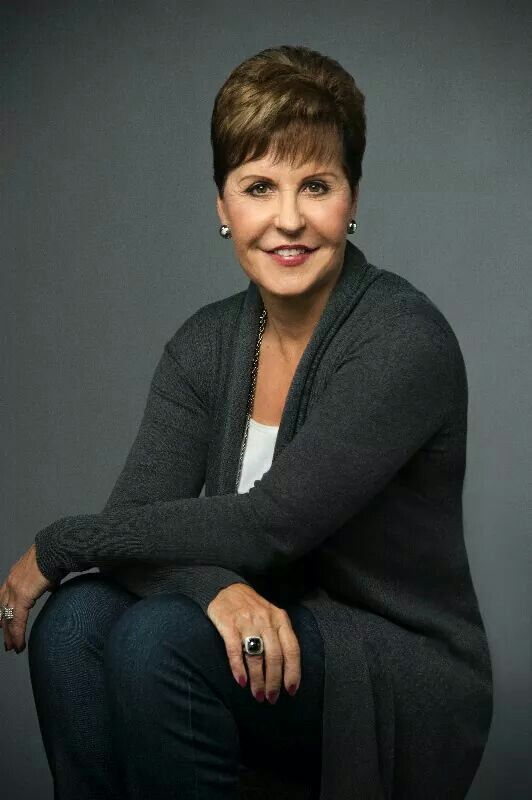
column 52, row 558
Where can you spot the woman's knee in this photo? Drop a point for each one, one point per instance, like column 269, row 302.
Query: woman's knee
column 159, row 632
column 82, row 606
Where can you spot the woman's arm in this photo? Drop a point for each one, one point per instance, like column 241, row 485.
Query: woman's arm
column 167, row 459
column 388, row 396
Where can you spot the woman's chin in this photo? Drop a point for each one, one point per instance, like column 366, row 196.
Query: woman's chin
column 292, row 290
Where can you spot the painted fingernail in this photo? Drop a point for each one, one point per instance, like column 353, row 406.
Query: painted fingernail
column 292, row 689
column 272, row 697
column 260, row 696
column 242, row 680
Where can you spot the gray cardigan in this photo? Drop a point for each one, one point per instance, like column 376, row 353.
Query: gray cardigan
column 359, row 518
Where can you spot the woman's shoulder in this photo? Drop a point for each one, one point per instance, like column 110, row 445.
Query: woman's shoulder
column 392, row 294
column 394, row 316
column 392, row 300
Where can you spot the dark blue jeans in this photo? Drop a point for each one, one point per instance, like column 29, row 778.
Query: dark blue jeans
column 135, row 698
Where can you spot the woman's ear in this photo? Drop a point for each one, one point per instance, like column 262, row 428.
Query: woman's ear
column 354, row 203
column 220, row 209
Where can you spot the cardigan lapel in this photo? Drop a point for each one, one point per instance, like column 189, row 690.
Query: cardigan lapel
column 235, row 398
column 353, row 280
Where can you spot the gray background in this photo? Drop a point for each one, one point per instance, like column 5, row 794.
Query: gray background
column 110, row 240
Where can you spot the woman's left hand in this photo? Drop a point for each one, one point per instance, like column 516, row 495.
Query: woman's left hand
column 21, row 589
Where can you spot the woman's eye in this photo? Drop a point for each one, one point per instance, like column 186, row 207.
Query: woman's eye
column 319, row 184
column 256, row 186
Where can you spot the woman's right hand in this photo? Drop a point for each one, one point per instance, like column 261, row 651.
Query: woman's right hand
column 238, row 611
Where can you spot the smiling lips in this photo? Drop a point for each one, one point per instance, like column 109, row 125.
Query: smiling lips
column 289, row 248
column 295, row 256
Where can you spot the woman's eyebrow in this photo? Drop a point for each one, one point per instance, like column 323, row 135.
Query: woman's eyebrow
column 265, row 178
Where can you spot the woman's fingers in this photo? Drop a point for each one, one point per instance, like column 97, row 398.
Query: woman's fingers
column 280, row 662
column 233, row 646
column 5, row 600
column 8, row 641
column 266, row 670
column 14, row 630
column 291, row 655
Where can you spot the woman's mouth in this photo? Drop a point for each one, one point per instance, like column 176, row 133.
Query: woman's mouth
column 291, row 257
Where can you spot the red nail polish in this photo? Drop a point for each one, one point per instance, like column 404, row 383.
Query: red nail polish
column 242, row 680
column 260, row 696
column 292, row 689
column 272, row 697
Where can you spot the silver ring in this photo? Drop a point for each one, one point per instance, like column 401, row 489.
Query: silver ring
column 253, row 645
column 7, row 613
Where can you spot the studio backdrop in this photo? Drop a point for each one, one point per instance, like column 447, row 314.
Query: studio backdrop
column 110, row 241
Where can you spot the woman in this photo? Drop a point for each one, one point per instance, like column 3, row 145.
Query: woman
column 325, row 410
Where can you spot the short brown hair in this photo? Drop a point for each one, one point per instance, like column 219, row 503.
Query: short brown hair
column 294, row 102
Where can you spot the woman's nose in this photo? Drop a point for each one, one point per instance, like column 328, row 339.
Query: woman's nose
column 288, row 215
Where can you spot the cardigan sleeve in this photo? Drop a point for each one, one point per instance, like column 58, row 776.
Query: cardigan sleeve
column 168, row 457
column 389, row 394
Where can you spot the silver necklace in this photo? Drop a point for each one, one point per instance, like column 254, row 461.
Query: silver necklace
column 251, row 398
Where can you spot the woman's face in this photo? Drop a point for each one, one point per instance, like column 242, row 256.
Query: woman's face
column 267, row 206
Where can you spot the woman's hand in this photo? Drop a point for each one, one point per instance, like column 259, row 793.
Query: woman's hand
column 238, row 611
column 22, row 587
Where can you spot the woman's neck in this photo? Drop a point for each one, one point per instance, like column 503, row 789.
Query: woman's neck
column 291, row 320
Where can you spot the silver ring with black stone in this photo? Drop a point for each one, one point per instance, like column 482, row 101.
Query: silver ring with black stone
column 253, row 645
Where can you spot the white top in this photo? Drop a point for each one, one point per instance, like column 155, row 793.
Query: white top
column 258, row 453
